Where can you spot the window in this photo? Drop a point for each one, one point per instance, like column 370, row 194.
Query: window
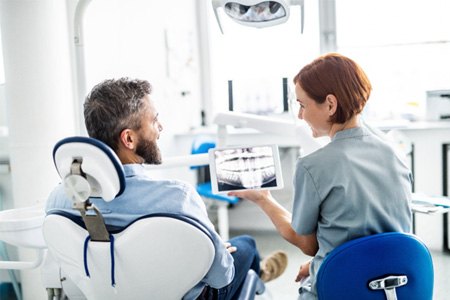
column 402, row 45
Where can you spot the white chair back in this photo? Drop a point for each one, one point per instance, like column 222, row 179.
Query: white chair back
column 156, row 257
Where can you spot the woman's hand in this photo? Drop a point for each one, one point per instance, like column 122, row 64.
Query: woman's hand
column 256, row 196
column 304, row 271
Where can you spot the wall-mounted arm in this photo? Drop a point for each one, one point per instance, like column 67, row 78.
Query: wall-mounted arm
column 298, row 132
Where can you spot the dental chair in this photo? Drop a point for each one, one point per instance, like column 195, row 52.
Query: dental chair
column 159, row 256
column 382, row 266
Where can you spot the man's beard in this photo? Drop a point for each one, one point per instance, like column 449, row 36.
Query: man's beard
column 149, row 151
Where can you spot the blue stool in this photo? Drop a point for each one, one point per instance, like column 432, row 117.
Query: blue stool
column 381, row 266
column 218, row 202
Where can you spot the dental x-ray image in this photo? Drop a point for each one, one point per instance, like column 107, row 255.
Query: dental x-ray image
column 245, row 168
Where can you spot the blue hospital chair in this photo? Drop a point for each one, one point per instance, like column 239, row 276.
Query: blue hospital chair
column 382, row 266
column 218, row 203
column 159, row 256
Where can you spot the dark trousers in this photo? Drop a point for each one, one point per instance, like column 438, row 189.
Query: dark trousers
column 245, row 258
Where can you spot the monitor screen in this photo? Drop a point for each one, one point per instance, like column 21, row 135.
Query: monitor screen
column 245, row 167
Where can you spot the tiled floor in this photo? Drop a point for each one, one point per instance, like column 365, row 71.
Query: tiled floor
column 284, row 288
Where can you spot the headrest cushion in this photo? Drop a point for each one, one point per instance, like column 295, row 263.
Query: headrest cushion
column 101, row 165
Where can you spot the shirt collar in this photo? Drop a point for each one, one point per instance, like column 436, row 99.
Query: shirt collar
column 133, row 170
column 350, row 133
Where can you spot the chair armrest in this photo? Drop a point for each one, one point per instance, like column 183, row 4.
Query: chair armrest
column 252, row 286
column 23, row 265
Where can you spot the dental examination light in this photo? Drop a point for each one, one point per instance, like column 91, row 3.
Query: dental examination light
column 257, row 13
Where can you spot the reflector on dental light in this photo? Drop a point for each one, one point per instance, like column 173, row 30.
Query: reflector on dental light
column 257, row 13
column 260, row 12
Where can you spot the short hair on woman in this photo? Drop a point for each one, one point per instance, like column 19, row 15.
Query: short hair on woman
column 340, row 76
column 114, row 105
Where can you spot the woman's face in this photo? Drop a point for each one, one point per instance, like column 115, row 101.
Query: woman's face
column 316, row 115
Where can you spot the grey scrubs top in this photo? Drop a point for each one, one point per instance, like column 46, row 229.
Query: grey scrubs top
column 354, row 186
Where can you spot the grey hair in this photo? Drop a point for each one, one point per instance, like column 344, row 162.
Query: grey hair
column 114, row 105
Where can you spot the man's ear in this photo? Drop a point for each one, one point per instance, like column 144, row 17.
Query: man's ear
column 128, row 139
column 332, row 103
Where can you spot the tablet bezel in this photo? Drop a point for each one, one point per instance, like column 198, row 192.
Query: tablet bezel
column 213, row 169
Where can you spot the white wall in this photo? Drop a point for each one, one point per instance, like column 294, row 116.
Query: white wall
column 149, row 40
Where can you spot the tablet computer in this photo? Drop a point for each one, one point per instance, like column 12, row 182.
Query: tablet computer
column 245, row 167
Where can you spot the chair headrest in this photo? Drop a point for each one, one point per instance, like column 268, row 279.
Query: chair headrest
column 104, row 172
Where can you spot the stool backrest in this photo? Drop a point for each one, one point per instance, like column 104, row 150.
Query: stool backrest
column 360, row 268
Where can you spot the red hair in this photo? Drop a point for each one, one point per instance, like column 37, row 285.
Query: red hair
column 340, row 76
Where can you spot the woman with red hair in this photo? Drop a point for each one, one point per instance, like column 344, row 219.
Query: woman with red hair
column 354, row 186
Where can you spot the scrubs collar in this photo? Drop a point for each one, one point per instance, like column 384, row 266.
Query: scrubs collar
column 349, row 133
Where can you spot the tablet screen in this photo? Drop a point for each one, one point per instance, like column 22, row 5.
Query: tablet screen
column 245, row 167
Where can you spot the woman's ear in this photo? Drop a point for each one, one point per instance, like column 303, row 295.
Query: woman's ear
column 332, row 103
column 128, row 139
